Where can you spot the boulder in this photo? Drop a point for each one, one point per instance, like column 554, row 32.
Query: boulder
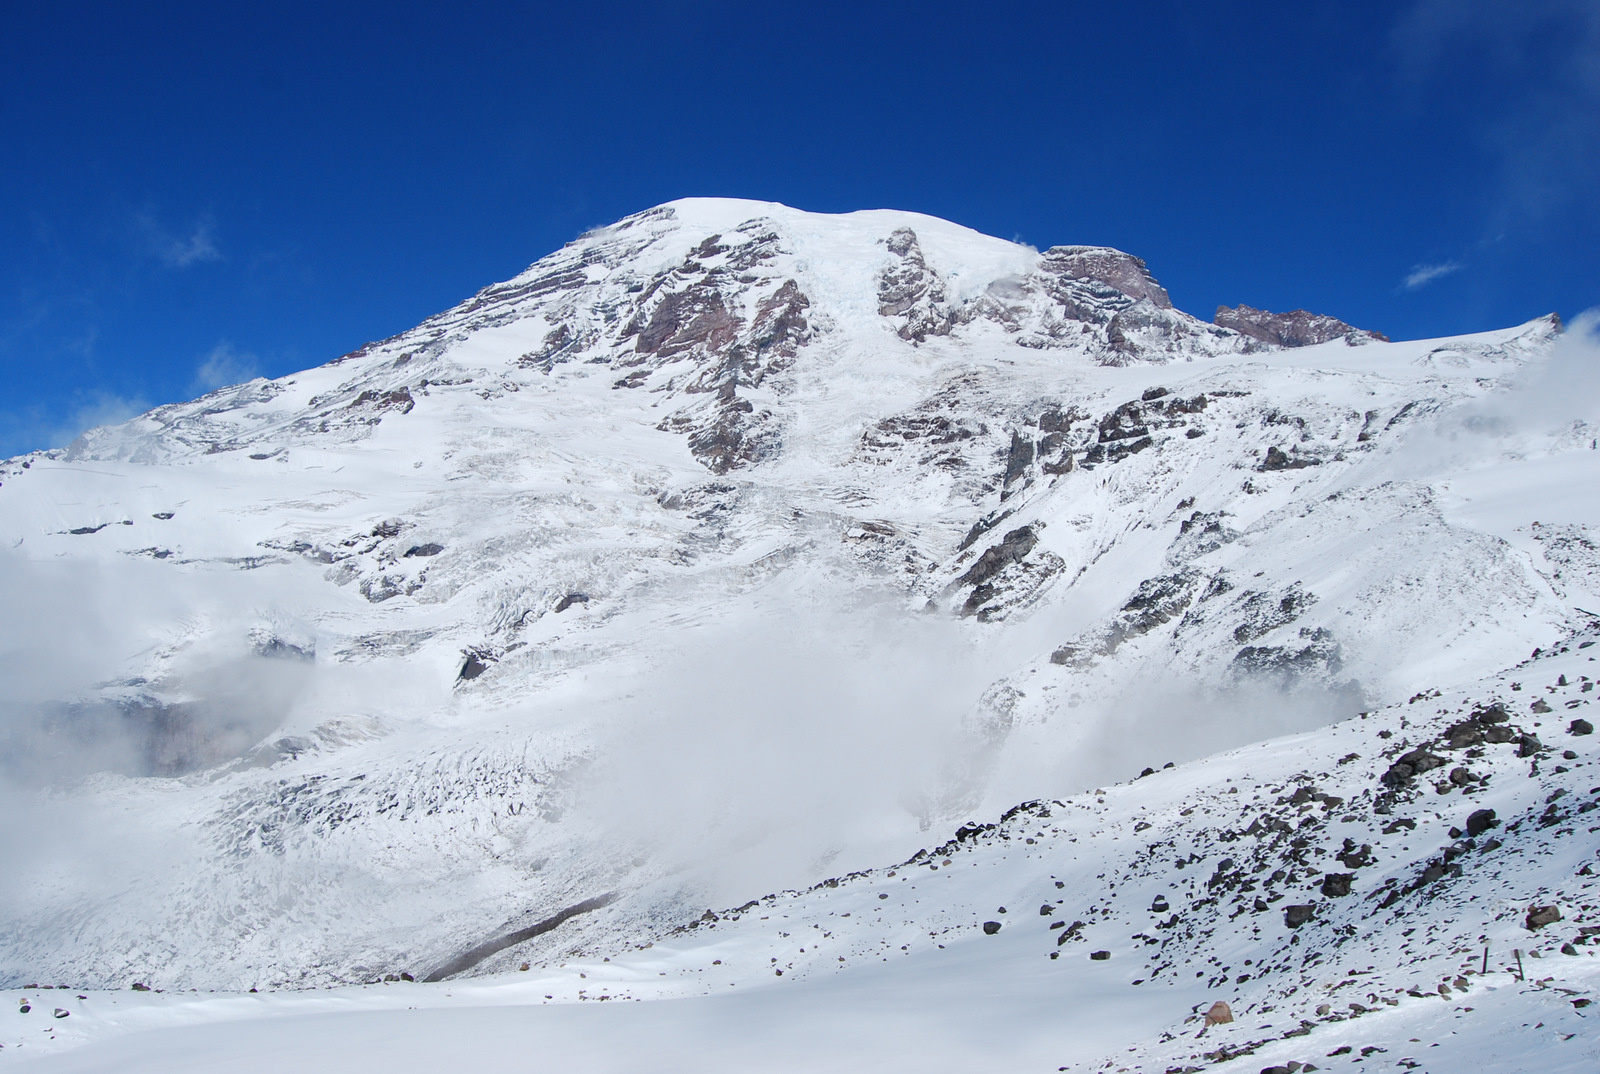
column 1099, row 956
column 991, row 927
column 1540, row 916
column 1335, row 885
column 1580, row 727
column 1480, row 821
column 1219, row 1014
column 1299, row 914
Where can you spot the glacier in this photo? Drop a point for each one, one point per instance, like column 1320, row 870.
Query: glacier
column 732, row 552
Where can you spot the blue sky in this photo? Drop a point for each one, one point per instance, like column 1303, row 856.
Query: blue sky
column 193, row 194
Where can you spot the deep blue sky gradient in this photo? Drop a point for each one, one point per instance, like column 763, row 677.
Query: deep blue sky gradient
column 193, row 193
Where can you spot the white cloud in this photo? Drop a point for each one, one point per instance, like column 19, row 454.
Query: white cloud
column 179, row 249
column 224, row 366
column 1423, row 275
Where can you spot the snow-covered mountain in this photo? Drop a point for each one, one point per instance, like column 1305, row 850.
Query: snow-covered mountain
column 734, row 548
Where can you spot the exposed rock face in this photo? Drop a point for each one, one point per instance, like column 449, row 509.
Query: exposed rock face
column 1297, row 328
column 908, row 289
column 1125, row 272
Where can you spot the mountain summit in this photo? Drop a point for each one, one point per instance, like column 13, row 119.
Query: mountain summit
column 727, row 548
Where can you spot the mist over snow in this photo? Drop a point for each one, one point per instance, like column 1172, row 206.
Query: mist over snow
column 742, row 598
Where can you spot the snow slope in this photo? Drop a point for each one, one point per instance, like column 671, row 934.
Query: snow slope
column 725, row 549
column 893, row 969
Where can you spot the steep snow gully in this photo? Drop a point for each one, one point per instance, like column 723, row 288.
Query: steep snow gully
column 444, row 701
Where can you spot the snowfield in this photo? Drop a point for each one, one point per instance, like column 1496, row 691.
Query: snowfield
column 623, row 623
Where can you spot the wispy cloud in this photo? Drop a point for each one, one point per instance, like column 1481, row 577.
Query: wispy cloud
column 36, row 427
column 1537, row 65
column 1423, row 275
column 179, row 248
column 100, row 408
column 225, row 366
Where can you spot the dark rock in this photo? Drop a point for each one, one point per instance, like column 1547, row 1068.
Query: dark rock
column 1297, row 915
column 570, row 599
column 1277, row 459
column 1540, row 706
column 1013, row 547
column 1046, row 910
column 1540, row 916
column 1410, row 764
column 1528, row 746
column 1335, row 885
column 1480, row 821
column 1422, row 761
column 991, row 927
column 62, row 1012
column 1580, row 727
column 1018, row 459
column 472, row 667
column 1354, row 857
column 1159, row 906
column 429, row 549
column 1099, row 956
column 1499, row 735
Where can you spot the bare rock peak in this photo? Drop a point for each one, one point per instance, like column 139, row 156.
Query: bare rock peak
column 1126, row 273
column 1297, row 328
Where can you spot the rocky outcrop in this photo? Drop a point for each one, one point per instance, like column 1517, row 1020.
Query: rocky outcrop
column 1297, row 328
column 1124, row 272
column 912, row 292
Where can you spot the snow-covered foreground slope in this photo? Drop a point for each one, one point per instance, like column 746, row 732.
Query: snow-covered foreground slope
column 727, row 549
column 1347, row 910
